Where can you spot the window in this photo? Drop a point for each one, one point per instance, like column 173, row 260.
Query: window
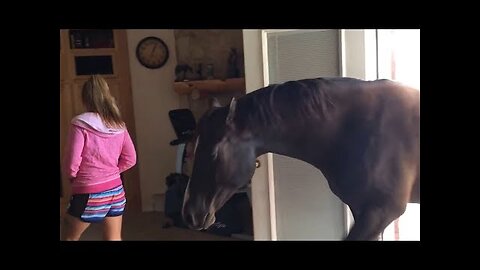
column 399, row 56
column 399, row 60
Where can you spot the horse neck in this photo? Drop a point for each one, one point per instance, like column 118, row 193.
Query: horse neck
column 281, row 141
column 272, row 134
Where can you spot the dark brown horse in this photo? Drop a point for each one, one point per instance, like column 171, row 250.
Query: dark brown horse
column 364, row 136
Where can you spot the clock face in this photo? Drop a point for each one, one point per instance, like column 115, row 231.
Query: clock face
column 152, row 52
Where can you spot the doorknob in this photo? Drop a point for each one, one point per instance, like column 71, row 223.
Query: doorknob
column 257, row 163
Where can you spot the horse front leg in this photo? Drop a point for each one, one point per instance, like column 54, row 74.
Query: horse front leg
column 373, row 219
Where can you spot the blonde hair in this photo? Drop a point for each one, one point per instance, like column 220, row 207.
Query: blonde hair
column 96, row 98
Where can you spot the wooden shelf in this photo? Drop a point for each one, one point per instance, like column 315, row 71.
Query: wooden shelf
column 91, row 38
column 210, row 86
column 93, row 51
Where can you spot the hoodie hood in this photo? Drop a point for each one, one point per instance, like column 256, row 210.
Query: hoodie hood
column 90, row 120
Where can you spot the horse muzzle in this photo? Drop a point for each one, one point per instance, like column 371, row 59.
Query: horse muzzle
column 198, row 220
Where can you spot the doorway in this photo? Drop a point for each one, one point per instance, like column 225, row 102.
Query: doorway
column 108, row 48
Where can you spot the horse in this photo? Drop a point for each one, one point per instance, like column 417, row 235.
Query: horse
column 364, row 136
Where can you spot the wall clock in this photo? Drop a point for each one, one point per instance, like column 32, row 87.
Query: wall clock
column 152, row 52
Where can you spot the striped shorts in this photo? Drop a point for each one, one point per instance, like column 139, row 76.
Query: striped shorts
column 94, row 207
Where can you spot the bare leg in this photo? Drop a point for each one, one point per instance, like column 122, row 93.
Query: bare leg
column 112, row 228
column 74, row 228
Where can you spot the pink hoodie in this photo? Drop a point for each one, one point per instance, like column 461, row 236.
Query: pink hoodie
column 96, row 155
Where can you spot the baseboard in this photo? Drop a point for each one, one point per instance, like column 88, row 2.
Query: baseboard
column 242, row 236
column 158, row 202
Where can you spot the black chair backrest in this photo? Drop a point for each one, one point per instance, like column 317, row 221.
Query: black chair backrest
column 183, row 123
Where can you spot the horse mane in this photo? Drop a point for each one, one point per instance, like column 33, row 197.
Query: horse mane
column 305, row 99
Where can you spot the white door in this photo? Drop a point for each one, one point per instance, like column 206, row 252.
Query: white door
column 291, row 199
column 305, row 207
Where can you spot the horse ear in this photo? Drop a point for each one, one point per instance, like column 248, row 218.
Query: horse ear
column 231, row 112
column 214, row 103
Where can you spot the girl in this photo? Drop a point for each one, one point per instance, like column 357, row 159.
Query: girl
column 98, row 150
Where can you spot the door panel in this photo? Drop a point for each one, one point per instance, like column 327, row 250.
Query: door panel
column 306, row 209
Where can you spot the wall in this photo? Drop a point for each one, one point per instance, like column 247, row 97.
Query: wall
column 205, row 46
column 208, row 46
column 153, row 97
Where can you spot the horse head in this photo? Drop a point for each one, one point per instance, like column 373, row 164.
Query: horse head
column 224, row 162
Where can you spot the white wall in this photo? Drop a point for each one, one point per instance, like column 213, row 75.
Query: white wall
column 153, row 97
